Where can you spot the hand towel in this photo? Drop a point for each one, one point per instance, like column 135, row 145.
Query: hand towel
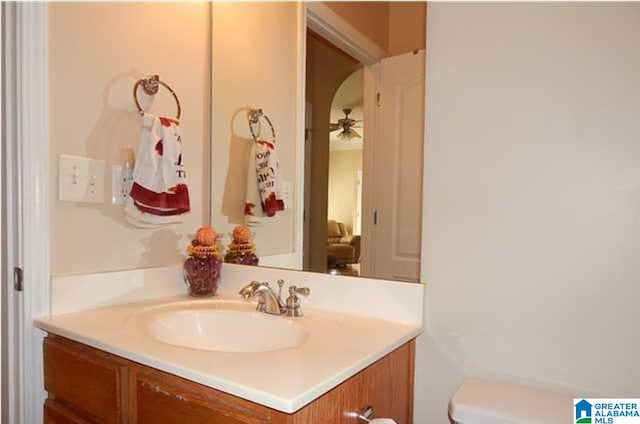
column 159, row 193
column 264, row 186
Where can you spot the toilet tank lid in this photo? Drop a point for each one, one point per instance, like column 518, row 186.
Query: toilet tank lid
column 488, row 402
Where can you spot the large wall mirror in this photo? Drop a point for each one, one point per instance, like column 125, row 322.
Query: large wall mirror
column 335, row 93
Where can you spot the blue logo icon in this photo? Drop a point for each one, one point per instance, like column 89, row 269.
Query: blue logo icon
column 583, row 412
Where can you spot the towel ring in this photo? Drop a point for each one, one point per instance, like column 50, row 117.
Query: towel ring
column 150, row 86
column 254, row 119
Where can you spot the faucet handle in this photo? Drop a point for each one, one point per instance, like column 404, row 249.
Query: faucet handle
column 304, row 291
column 292, row 308
column 280, row 285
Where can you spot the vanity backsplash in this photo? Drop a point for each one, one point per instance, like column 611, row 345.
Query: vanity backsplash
column 355, row 295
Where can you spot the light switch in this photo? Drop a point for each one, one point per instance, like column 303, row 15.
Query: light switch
column 81, row 179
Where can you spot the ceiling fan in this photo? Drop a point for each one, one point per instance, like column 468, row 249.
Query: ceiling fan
column 346, row 126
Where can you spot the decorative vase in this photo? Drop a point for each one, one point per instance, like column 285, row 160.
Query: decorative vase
column 241, row 258
column 241, row 250
column 201, row 275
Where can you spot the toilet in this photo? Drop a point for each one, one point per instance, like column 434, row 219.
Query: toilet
column 480, row 401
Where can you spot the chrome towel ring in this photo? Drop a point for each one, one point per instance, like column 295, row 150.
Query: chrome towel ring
column 150, row 86
column 254, row 116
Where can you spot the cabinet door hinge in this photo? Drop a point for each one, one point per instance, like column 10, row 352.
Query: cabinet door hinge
column 18, row 279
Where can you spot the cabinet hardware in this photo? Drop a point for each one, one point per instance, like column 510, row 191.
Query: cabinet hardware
column 364, row 416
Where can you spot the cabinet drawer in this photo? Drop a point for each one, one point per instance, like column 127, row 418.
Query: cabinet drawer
column 90, row 380
column 161, row 397
column 55, row 413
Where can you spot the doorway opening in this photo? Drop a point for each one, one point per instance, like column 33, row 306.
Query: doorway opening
column 333, row 158
column 346, row 145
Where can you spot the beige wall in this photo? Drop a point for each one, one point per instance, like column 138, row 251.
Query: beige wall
column 343, row 166
column 255, row 66
column 97, row 52
column 370, row 18
column 396, row 27
column 532, row 202
column 407, row 27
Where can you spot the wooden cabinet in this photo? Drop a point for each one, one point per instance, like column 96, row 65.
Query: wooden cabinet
column 160, row 397
column 92, row 381
column 56, row 413
column 86, row 386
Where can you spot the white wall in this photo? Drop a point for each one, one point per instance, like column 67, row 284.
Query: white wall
column 532, row 199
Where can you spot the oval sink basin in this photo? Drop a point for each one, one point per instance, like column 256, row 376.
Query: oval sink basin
column 226, row 331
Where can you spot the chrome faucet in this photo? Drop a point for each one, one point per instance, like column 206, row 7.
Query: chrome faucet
column 271, row 303
column 268, row 301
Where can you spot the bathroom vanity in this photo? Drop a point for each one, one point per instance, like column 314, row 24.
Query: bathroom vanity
column 113, row 357
column 87, row 385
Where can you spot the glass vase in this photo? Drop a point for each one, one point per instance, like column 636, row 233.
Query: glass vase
column 201, row 275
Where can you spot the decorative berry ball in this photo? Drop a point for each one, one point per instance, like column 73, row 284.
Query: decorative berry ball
column 241, row 234
column 206, row 236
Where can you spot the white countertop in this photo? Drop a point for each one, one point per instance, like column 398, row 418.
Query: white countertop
column 336, row 346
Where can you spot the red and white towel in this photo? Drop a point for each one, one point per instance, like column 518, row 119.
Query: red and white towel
column 264, row 186
column 159, row 194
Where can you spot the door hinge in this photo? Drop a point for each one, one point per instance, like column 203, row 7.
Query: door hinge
column 375, row 217
column 378, row 99
column 18, row 279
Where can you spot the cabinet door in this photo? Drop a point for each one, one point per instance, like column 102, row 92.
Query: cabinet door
column 160, row 398
column 94, row 382
column 386, row 385
column 55, row 413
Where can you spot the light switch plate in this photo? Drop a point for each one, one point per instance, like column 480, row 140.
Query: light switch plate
column 81, row 179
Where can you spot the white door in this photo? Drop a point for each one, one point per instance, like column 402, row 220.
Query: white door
column 357, row 215
column 25, row 213
column 398, row 164
column 10, row 213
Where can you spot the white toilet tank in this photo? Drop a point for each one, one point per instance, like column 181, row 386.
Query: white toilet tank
column 488, row 402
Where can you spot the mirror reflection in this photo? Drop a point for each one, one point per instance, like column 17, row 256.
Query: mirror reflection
column 317, row 136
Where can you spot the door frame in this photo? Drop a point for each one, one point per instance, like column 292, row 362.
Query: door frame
column 321, row 19
column 27, row 133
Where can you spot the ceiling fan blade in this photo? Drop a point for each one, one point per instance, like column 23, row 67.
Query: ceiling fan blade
column 334, row 127
column 348, row 135
column 344, row 136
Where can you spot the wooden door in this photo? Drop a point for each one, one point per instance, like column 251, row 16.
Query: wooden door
column 92, row 382
column 386, row 386
column 398, row 167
